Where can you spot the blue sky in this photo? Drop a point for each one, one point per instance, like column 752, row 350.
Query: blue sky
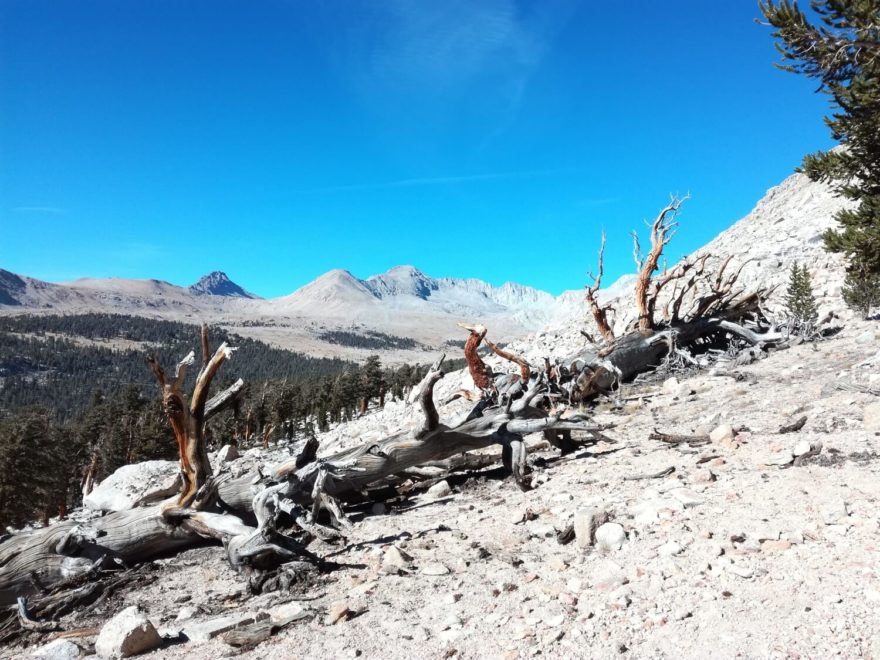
column 474, row 138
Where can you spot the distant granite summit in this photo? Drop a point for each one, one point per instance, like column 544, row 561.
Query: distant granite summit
column 218, row 284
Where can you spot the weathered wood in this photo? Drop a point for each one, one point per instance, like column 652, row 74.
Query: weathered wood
column 600, row 313
column 39, row 559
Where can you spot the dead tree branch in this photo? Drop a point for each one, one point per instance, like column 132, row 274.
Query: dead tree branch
column 599, row 312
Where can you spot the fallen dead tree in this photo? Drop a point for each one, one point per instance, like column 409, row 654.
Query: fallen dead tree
column 265, row 520
column 697, row 305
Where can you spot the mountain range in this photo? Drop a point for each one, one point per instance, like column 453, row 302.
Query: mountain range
column 402, row 302
column 785, row 226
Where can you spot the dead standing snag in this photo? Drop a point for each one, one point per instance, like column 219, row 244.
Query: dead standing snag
column 700, row 308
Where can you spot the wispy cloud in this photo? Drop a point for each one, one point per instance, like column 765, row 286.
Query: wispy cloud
column 444, row 48
column 53, row 210
column 431, row 181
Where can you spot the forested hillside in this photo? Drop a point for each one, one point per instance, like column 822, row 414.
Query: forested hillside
column 77, row 400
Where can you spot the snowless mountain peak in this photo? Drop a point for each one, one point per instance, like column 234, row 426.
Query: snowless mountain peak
column 217, row 283
column 401, row 280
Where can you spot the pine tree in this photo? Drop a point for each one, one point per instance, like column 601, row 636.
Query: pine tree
column 799, row 300
column 843, row 53
column 372, row 383
column 863, row 294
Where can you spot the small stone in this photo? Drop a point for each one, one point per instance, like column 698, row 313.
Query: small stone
column 435, row 569
column 775, row 546
column 286, row 613
column 833, row 512
column 610, row 536
column 703, row 476
column 337, row 612
column 687, row 498
column 128, row 633
column 647, row 512
column 669, row 549
column 793, row 537
column 556, row 563
column 608, row 576
column 871, row 417
column 451, row 621
column 722, row 434
column 670, row 386
column 379, row 509
column 59, row 649
column 801, row 448
column 439, row 490
column 554, row 618
column 866, row 337
column 779, row 459
column 187, row 612
column 395, row 560
column 586, row 522
column 741, row 571
column 619, row 598
column 227, row 454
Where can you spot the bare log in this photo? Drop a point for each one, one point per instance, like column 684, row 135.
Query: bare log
column 305, row 487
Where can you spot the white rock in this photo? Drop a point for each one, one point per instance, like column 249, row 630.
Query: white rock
column 807, row 448
column 669, row 549
column 435, row 569
column 59, row 649
column 686, row 497
column 647, row 512
column 801, row 448
column 871, row 417
column 439, row 490
column 833, row 512
column 553, row 618
column 186, row 612
column 670, row 386
column 722, row 433
column 395, row 560
column 132, row 484
column 866, row 337
column 126, row 634
column 227, row 454
column 610, row 536
column 741, row 571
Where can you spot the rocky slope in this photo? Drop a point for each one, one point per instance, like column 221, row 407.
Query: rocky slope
column 723, row 550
